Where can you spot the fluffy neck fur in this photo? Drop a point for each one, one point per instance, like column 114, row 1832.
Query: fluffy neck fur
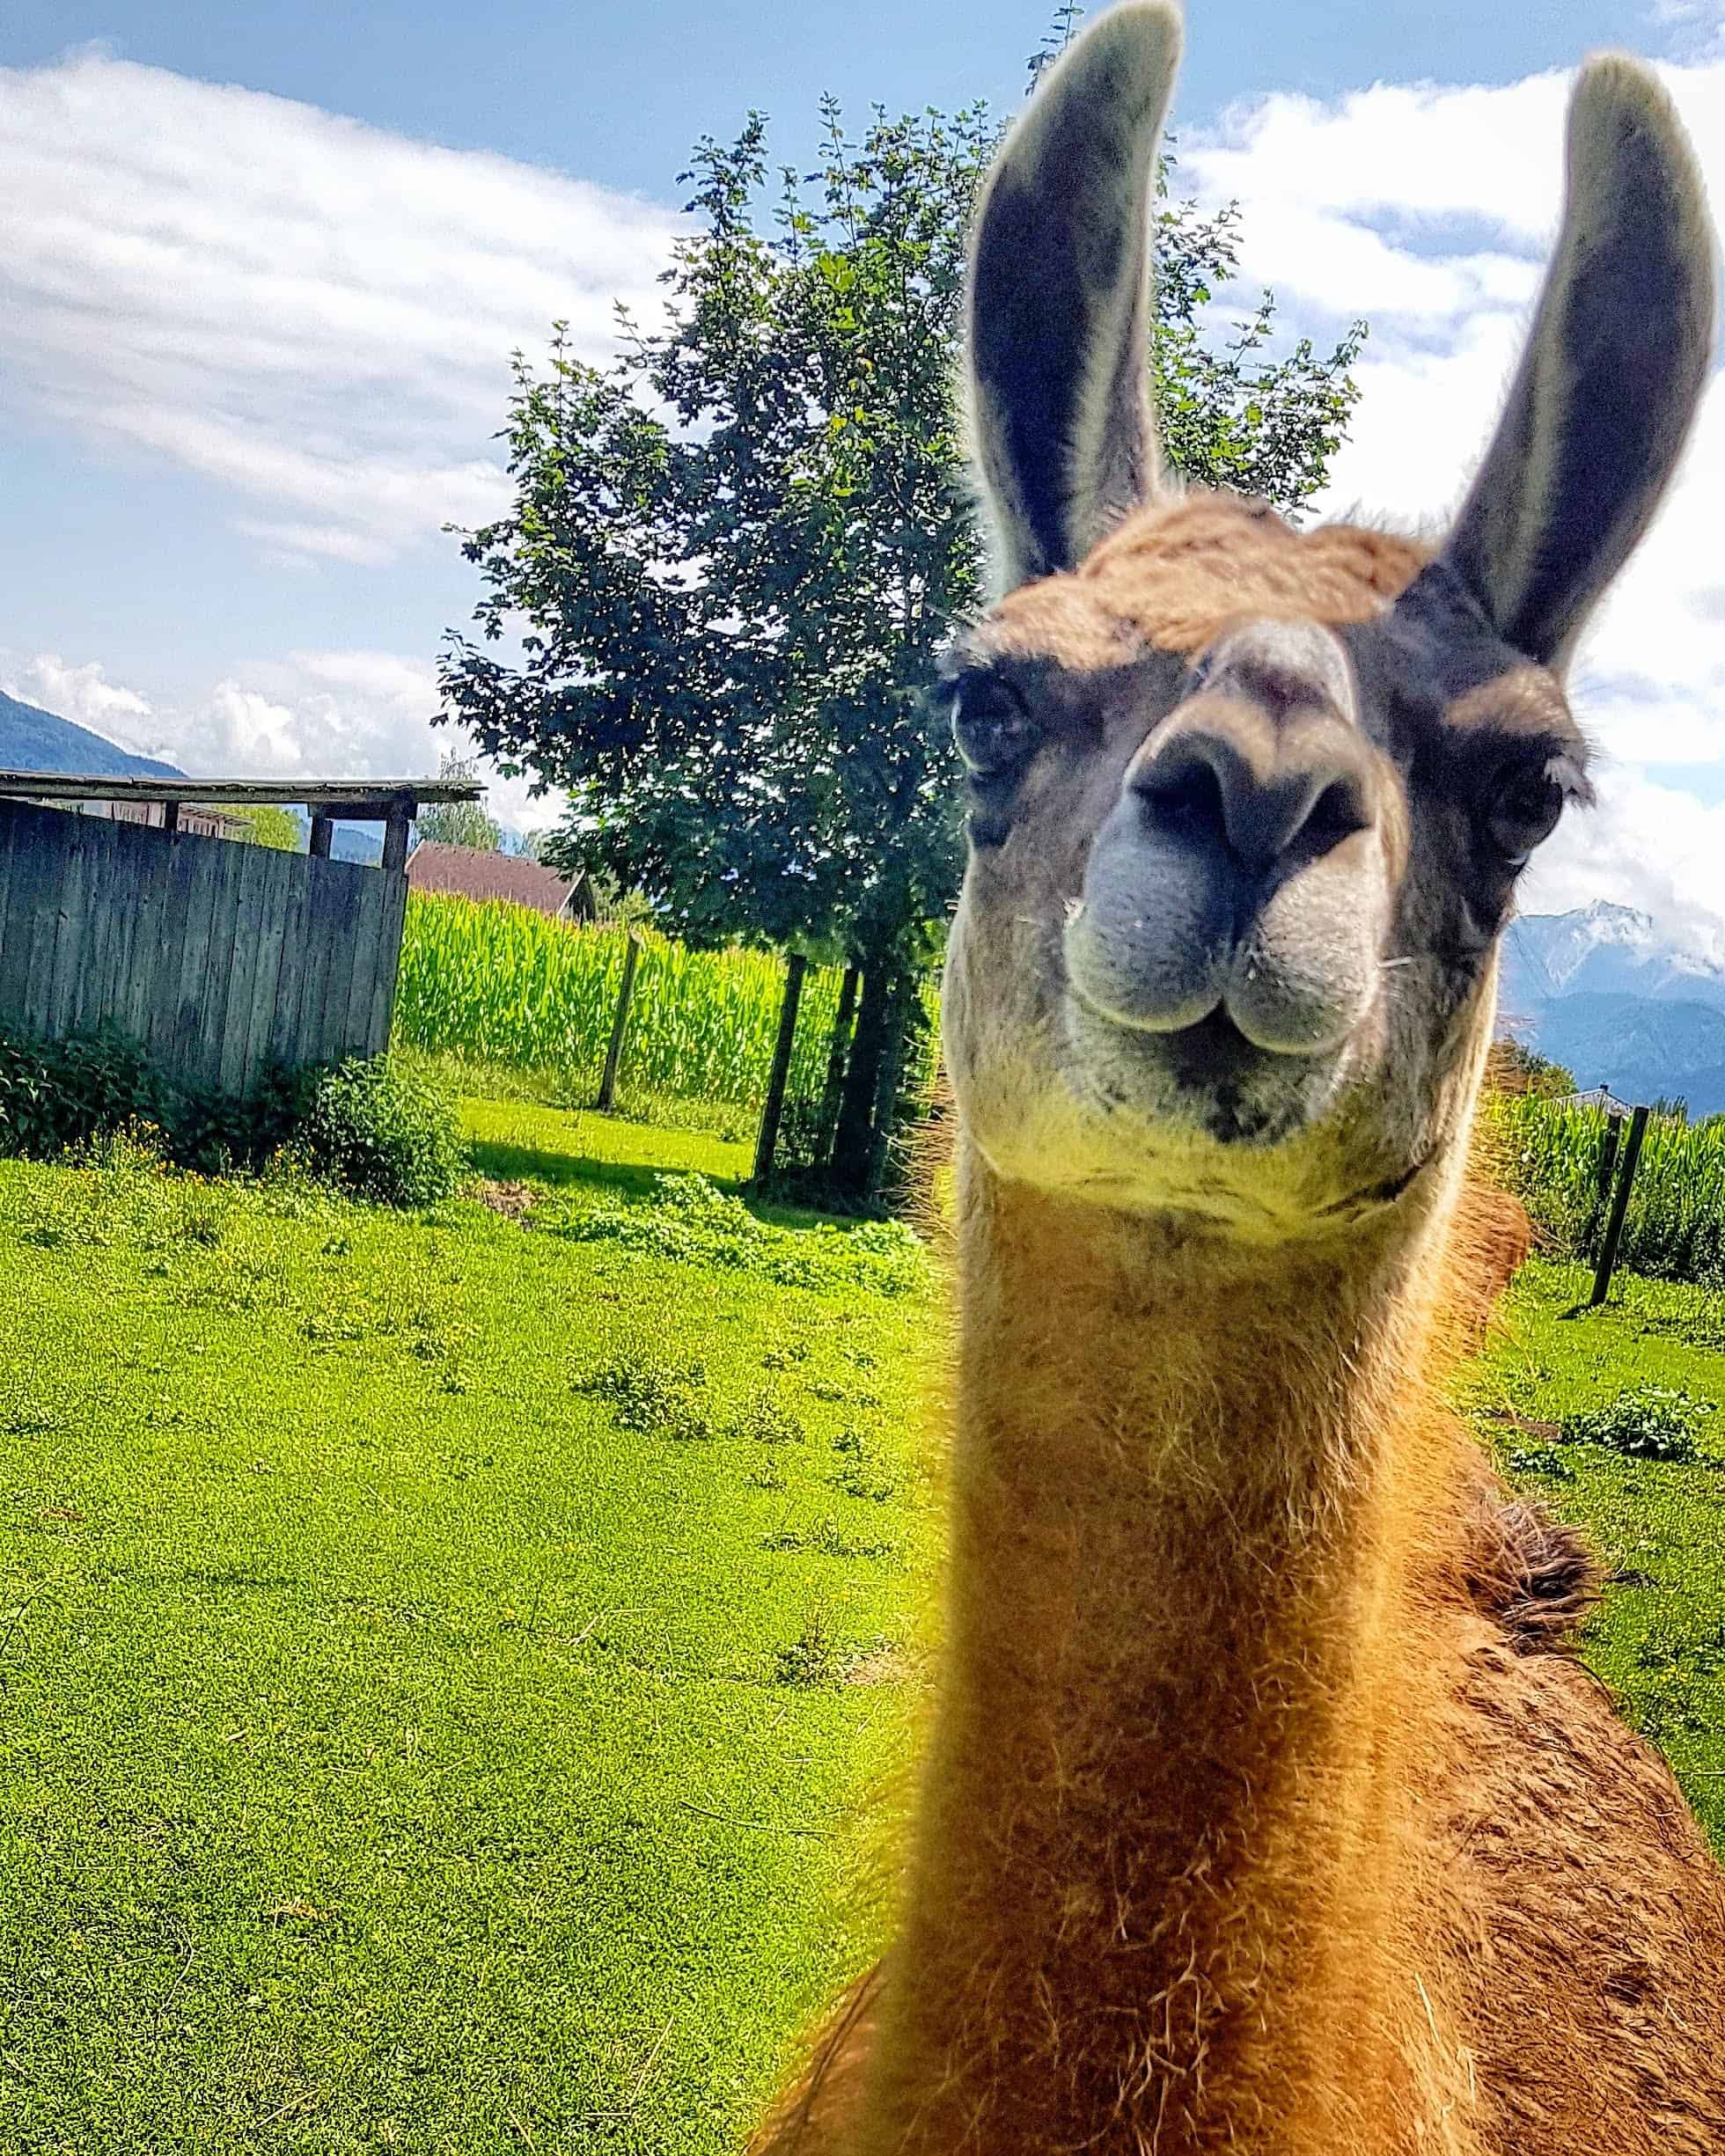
column 1170, row 1863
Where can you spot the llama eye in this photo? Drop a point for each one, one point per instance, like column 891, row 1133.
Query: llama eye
column 991, row 725
column 1524, row 810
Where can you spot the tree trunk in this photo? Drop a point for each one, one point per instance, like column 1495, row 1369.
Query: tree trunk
column 832, row 1092
column 854, row 1146
column 768, row 1144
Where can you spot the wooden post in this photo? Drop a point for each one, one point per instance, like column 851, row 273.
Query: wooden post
column 1602, row 1192
column 768, row 1144
column 170, row 816
column 323, row 829
column 613, row 1055
column 1632, row 1155
column 395, row 832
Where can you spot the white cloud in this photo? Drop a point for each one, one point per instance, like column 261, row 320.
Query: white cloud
column 1430, row 209
column 361, row 715
column 82, row 693
column 315, row 314
column 1646, row 846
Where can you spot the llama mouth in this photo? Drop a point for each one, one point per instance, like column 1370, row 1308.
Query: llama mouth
column 1208, row 1076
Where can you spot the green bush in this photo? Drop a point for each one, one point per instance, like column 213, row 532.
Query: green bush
column 63, row 1096
column 692, row 1220
column 56, row 1094
column 379, row 1131
column 373, row 1130
column 1649, row 1422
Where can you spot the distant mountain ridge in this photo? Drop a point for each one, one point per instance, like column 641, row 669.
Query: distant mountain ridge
column 1602, row 992
column 32, row 739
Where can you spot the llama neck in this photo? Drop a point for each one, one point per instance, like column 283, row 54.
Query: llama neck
column 1167, row 1774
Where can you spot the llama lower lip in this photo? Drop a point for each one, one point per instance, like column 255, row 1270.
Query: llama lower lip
column 1211, row 1050
column 1208, row 1076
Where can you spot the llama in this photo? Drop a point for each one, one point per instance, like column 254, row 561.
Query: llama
column 1261, row 1811
column 1492, row 1242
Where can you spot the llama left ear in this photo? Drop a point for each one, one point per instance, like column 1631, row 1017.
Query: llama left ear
column 1060, row 296
column 1612, row 378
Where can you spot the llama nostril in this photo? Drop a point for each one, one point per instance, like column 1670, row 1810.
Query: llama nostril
column 1339, row 811
column 1188, row 800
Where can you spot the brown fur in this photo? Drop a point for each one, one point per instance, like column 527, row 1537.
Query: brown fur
column 1494, row 1241
column 1176, row 577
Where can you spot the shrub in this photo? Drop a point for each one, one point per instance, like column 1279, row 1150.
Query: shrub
column 692, row 1219
column 1649, row 1422
column 56, row 1094
column 67, row 1095
column 378, row 1131
column 648, row 1395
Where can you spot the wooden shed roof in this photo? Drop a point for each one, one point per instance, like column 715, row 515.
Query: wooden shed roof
column 353, row 801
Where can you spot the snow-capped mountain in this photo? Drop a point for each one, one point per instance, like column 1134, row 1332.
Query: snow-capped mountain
column 1599, row 950
column 1601, row 991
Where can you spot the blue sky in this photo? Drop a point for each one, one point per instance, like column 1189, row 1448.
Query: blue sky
column 617, row 93
column 263, row 265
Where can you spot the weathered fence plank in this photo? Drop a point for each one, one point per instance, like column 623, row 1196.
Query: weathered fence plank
column 270, row 935
column 221, row 960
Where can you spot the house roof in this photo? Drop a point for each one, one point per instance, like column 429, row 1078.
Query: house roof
column 469, row 873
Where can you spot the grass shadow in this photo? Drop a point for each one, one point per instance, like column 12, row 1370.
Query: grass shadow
column 507, row 1162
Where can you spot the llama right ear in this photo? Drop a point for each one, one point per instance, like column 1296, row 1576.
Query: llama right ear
column 1615, row 367
column 1060, row 296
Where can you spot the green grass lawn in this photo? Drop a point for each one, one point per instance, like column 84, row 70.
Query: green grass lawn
column 438, row 1656
column 399, row 1752
column 1659, row 1637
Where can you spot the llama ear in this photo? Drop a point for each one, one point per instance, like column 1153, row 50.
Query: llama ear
column 1612, row 374
column 1059, row 309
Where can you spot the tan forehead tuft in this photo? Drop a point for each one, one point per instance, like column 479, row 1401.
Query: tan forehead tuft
column 1176, row 577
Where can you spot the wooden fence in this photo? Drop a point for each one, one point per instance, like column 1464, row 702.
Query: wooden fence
column 223, row 960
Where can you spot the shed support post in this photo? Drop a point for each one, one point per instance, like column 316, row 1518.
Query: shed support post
column 395, row 833
column 323, row 829
column 170, row 816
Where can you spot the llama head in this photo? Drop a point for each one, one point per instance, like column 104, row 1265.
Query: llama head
column 1249, row 805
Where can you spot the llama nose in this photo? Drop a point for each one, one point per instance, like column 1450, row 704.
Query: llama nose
column 1265, row 760
column 1208, row 782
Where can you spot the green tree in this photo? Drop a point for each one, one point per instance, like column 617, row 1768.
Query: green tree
column 459, row 823
column 277, row 828
column 737, row 550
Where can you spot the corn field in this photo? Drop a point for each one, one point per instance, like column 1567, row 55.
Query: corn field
column 501, row 984
column 1552, row 1155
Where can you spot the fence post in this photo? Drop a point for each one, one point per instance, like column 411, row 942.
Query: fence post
column 1632, row 1155
column 1602, row 1192
column 613, row 1054
column 768, row 1144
